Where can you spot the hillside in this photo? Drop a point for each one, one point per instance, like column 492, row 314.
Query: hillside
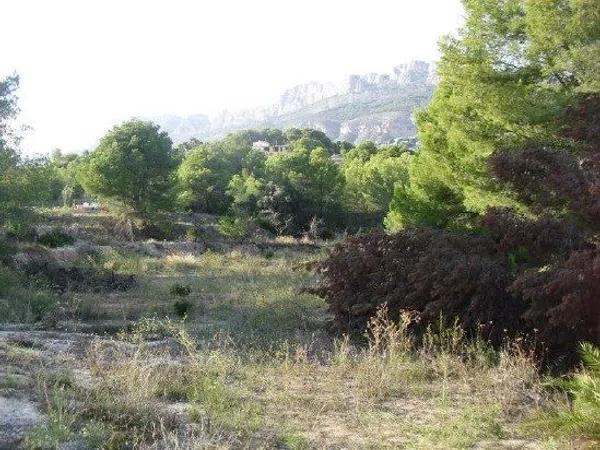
column 375, row 107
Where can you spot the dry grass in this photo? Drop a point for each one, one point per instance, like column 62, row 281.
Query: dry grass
column 388, row 394
column 252, row 366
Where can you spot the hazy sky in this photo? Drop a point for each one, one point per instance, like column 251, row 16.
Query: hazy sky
column 86, row 65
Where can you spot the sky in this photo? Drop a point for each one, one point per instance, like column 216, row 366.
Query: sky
column 88, row 65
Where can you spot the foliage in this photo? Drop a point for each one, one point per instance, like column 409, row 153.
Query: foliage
column 245, row 190
column 309, row 139
column 234, row 226
column 432, row 272
column 180, row 290
column 182, row 307
column 21, row 302
column 206, row 171
column 538, row 278
column 8, row 111
column 550, row 179
column 65, row 167
column 371, row 174
column 504, row 81
column 23, row 183
column 58, row 427
column 563, row 299
column 56, row 238
column 581, row 419
column 132, row 167
column 304, row 184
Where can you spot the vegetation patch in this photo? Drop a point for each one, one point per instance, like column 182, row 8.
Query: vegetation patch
column 55, row 238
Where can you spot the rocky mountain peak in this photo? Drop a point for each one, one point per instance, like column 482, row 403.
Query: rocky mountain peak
column 371, row 106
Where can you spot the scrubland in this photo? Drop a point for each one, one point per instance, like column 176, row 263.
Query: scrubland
column 216, row 344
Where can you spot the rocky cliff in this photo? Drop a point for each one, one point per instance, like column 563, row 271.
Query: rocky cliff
column 372, row 106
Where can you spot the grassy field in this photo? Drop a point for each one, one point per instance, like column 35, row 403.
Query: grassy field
column 222, row 349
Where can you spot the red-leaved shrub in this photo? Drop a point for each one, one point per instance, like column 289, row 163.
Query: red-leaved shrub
column 563, row 302
column 553, row 293
column 535, row 242
column 436, row 273
column 538, row 277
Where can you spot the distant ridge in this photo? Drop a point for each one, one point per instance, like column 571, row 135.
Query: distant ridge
column 371, row 106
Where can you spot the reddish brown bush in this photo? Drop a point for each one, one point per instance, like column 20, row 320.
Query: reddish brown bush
column 534, row 242
column 580, row 123
column 545, row 178
column 554, row 295
column 563, row 302
column 433, row 272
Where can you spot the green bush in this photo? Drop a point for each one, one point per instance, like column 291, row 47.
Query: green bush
column 41, row 304
column 581, row 419
column 182, row 307
column 180, row 290
column 20, row 303
column 234, row 226
column 8, row 279
column 56, row 238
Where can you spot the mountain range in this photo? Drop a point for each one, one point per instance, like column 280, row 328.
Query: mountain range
column 373, row 106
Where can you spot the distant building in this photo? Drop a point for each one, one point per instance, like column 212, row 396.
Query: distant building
column 88, row 206
column 412, row 143
column 268, row 148
column 261, row 145
column 337, row 158
column 272, row 149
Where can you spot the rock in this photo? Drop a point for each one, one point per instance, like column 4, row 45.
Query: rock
column 157, row 249
column 17, row 416
column 31, row 255
column 355, row 108
column 65, row 255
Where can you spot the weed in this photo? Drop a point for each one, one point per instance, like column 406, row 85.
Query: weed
column 581, row 419
column 59, row 425
column 56, row 238
column 182, row 307
column 180, row 290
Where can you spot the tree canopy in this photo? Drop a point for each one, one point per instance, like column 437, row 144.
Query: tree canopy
column 133, row 167
column 504, row 82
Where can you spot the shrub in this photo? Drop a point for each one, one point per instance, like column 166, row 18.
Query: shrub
column 538, row 241
column 180, row 290
column 563, row 302
column 549, row 179
column 63, row 279
column 56, row 238
column 234, row 226
column 182, row 307
column 41, row 304
column 7, row 279
column 581, row 419
column 538, row 278
column 432, row 272
column 159, row 227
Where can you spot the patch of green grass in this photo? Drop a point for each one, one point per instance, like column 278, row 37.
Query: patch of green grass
column 59, row 424
column 21, row 302
column 56, row 238
column 9, row 381
column 213, row 398
column 582, row 417
column 294, row 441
